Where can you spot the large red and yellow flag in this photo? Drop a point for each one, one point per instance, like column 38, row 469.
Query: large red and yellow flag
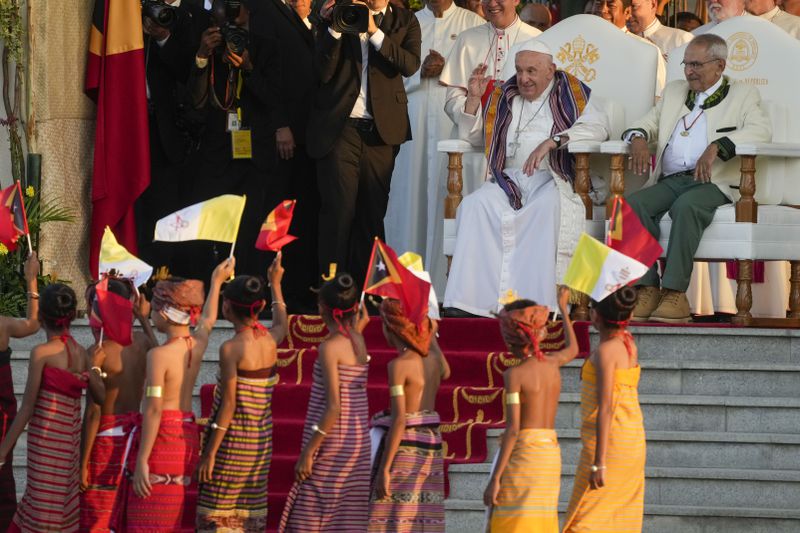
column 115, row 79
column 274, row 233
column 387, row 277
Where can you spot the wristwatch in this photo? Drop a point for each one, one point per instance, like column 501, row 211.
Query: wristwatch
column 558, row 139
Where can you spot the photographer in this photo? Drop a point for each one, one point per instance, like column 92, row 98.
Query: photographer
column 233, row 83
column 357, row 124
column 169, row 50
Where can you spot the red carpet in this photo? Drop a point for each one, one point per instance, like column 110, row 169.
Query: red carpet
column 469, row 403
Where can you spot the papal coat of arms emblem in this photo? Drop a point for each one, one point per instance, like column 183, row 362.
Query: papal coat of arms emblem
column 576, row 57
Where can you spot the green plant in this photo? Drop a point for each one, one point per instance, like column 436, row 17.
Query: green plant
column 13, row 299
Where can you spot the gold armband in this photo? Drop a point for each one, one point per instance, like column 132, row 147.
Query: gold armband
column 512, row 398
column 396, row 390
column 153, row 392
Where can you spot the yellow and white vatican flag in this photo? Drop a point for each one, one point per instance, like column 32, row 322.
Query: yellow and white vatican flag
column 413, row 262
column 598, row 270
column 216, row 219
column 114, row 256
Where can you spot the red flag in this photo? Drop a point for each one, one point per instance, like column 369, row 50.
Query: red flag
column 274, row 233
column 628, row 236
column 113, row 313
column 13, row 220
column 115, row 79
column 387, row 277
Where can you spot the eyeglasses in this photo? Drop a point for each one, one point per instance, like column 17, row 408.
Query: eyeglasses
column 694, row 65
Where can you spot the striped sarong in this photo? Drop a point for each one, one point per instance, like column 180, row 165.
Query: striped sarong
column 236, row 498
column 416, row 503
column 172, row 505
column 619, row 505
column 102, row 504
column 336, row 495
column 8, row 410
column 51, row 500
column 529, row 487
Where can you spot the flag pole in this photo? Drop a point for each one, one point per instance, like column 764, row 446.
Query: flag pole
column 30, row 246
column 100, row 342
column 238, row 224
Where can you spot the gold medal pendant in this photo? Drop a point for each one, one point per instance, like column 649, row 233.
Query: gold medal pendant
column 685, row 133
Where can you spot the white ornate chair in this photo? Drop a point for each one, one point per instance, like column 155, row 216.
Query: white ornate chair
column 600, row 55
column 765, row 223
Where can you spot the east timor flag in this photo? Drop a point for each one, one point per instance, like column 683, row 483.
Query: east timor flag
column 115, row 79
column 387, row 277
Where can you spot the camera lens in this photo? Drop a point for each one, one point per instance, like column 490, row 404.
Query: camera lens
column 350, row 16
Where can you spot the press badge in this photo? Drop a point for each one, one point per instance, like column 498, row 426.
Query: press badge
column 241, row 144
column 234, row 123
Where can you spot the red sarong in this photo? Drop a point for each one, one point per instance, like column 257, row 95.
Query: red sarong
column 103, row 502
column 51, row 498
column 172, row 505
column 8, row 410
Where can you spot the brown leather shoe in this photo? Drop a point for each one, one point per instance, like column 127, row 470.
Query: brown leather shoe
column 673, row 308
column 649, row 298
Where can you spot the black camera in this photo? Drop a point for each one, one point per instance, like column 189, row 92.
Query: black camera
column 160, row 12
column 225, row 14
column 235, row 37
column 347, row 17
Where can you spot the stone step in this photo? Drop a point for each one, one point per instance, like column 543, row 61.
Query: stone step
column 702, row 413
column 710, row 487
column 686, row 449
column 678, row 343
column 467, row 516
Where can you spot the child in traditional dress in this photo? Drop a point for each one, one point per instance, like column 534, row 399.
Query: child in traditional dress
column 109, row 427
column 164, row 496
column 57, row 375
column 608, row 494
column 234, row 467
column 408, row 473
column 331, row 490
column 523, row 488
column 14, row 328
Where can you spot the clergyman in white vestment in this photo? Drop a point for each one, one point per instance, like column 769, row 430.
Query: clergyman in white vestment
column 418, row 182
column 518, row 231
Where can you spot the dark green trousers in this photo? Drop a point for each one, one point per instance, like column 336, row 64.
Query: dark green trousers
column 691, row 205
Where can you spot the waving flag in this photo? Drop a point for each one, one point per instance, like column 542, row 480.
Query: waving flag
column 387, row 277
column 112, row 313
column 115, row 79
column 413, row 262
column 114, row 256
column 13, row 220
column 216, row 219
column 274, row 233
column 598, row 270
column 628, row 236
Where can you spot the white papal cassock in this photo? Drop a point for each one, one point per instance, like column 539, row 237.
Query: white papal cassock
column 499, row 249
column 482, row 44
column 418, row 181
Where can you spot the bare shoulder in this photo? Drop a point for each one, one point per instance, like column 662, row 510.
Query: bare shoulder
column 511, row 377
column 230, row 349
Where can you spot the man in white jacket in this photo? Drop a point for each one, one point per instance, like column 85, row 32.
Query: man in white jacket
column 696, row 125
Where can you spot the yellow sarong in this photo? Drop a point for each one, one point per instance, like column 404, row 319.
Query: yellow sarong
column 528, row 498
column 619, row 505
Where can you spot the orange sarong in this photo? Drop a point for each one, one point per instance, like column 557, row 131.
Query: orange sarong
column 619, row 505
column 529, row 487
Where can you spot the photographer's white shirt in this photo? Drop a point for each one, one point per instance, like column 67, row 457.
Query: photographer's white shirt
column 360, row 107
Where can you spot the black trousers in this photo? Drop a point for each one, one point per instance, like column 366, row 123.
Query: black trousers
column 300, row 256
column 353, row 181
